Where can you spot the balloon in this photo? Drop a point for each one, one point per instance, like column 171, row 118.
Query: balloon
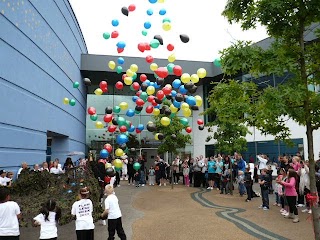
column 122, row 138
column 131, row 128
column 119, row 69
column 107, row 118
column 119, row 85
column 170, row 47
column 123, row 105
column 87, row 81
column 91, row 110
column 156, row 111
column 149, row 109
column 201, row 72
column 156, row 136
column 115, row 22
column 217, row 62
column 200, row 121
column 132, row 7
column 149, row 12
column 195, row 78
column 144, row 95
column 182, row 89
column 104, row 153
column 150, row 90
column 99, row 124
column 162, row 12
column 166, row 90
column 198, row 100
column 140, row 102
column 106, row 35
column 128, row 80
column 66, row 100
column 165, row 121
column 121, row 121
column 160, row 94
column 200, row 128
column 108, row 147
column 76, row 84
column 188, row 129
column 185, row 77
column 160, row 81
column 116, row 109
column 72, row 102
column 94, row 117
column 177, row 70
column 135, row 86
column 153, row 67
column 117, row 163
column 111, row 65
column 125, row 11
column 130, row 113
column 187, row 112
column 184, row 38
column 166, row 26
column 98, row 91
column 110, row 172
column 108, row 110
column 144, row 32
column 134, row 68
column 191, row 100
column 162, row 72
column 123, row 129
column 166, row 20
column 114, row 34
column 147, row 25
column 143, row 77
column 184, row 121
column 172, row 58
column 140, row 127
column 115, row 121
column 112, row 128
column 120, row 60
column 159, row 38
column 149, row 59
column 121, row 44
column 154, row 43
column 120, row 50
column 103, row 84
column 136, row 165
column 176, row 83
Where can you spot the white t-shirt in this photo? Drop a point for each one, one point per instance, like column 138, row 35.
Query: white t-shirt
column 9, row 224
column 262, row 162
column 56, row 170
column 4, row 181
column 83, row 209
column 111, row 203
column 48, row 229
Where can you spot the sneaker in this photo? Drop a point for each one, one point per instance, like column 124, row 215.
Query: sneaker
column 164, row 184
column 305, row 210
column 285, row 212
column 279, row 205
column 152, row 184
column 208, row 188
column 247, row 200
column 118, row 186
column 142, row 185
column 286, row 215
column 160, row 185
column 149, row 184
column 265, row 208
column 260, row 206
column 282, row 210
column 217, row 189
column 310, row 211
column 300, row 205
column 275, row 204
column 129, row 184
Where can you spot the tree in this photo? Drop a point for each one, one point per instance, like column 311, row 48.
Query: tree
column 286, row 22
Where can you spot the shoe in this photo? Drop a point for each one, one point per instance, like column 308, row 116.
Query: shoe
column 149, row 184
column 289, row 215
column 208, row 188
column 261, row 206
column 300, row 205
column 282, row 210
column 247, row 200
column 305, row 210
column 118, row 186
column 129, row 184
column 152, row 184
column 142, row 185
column 265, row 208
column 285, row 213
column 164, row 184
column 295, row 219
column 217, row 189
column 279, row 205
column 160, row 185
column 221, row 192
column 310, row 211
column 275, row 204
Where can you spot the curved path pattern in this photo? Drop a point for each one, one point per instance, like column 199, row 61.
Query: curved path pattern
column 229, row 214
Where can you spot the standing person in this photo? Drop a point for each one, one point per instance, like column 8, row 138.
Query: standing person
column 152, row 176
column 130, row 171
column 211, row 172
column 82, row 210
column 190, row 163
column 304, row 184
column 4, row 180
column 112, row 209
column 142, row 162
column 185, row 171
column 162, row 171
column 264, row 185
column 9, row 215
column 248, row 182
column 262, row 159
column 48, row 218
column 242, row 188
column 175, row 169
column 291, row 194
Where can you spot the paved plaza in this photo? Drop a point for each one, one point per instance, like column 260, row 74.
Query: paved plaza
column 182, row 213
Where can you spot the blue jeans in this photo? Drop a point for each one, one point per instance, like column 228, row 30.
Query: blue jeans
column 277, row 198
column 265, row 197
column 242, row 189
column 142, row 177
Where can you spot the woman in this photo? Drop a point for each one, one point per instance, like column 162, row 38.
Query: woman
column 304, row 185
column 291, row 194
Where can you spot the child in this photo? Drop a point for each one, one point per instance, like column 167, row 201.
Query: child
column 242, row 189
column 225, row 178
column 112, row 210
column 264, row 185
column 248, row 182
column 47, row 220
column 151, row 176
column 82, row 210
column 186, row 171
column 137, row 178
column 9, row 215
column 278, row 189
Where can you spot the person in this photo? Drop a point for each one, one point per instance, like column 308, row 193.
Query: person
column 248, row 182
column 211, row 172
column 151, row 176
column 68, row 164
column 142, row 162
column 48, row 218
column 242, row 188
column 55, row 168
column 225, row 179
column 185, row 172
column 262, row 159
column 24, row 169
column 4, row 180
column 264, row 186
column 112, row 210
column 9, row 216
column 162, row 171
column 291, row 194
column 124, row 169
column 137, row 178
column 130, row 171
column 45, row 167
column 304, row 184
column 82, row 211
column 36, row 168
column 175, row 169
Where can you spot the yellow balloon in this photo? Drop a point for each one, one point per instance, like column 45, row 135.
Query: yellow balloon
column 99, row 124
column 123, row 105
column 150, row 122
column 187, row 112
column 119, row 152
column 156, row 136
column 112, row 65
column 168, row 86
column 194, row 78
column 66, row 100
column 160, row 1
column 128, row 80
column 198, row 100
column 129, row 73
column 184, row 106
column 117, row 163
column 108, row 165
column 98, row 91
column 166, row 26
column 173, row 108
column 165, row 121
column 185, row 78
column 201, row 73
column 151, row 90
column 172, row 58
column 153, row 66
column 156, row 111
column 134, row 68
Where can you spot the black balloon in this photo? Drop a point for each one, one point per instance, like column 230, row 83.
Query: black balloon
column 159, row 38
column 123, row 146
column 139, row 108
column 160, row 136
column 200, row 128
column 188, row 85
column 114, row 121
column 157, row 100
column 169, row 97
column 160, row 81
column 144, row 86
column 167, row 111
column 193, row 89
column 173, row 136
column 108, row 110
column 87, row 81
column 179, row 97
column 194, row 108
column 110, row 172
column 184, row 38
column 125, row 11
column 151, row 127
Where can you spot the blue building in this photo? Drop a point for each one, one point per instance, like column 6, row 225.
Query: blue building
column 40, row 53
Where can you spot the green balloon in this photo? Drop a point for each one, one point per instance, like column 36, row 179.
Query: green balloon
column 217, row 62
column 106, row 35
column 144, row 96
column 131, row 88
column 119, row 69
column 136, row 166
column 154, row 43
column 94, row 117
column 72, row 102
column 116, row 109
column 184, row 121
column 144, row 33
column 121, row 121
column 170, row 67
column 134, row 76
column 172, row 115
column 127, row 123
column 137, row 112
column 166, row 20
column 76, row 84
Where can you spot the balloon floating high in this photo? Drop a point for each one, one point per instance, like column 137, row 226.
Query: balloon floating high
column 125, row 11
column 159, row 38
column 184, row 38
column 87, row 81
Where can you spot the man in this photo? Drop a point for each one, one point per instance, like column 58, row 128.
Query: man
column 24, row 169
column 162, row 170
column 262, row 159
column 142, row 162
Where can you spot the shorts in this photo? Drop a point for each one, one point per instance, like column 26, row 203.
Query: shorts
column 162, row 174
column 210, row 176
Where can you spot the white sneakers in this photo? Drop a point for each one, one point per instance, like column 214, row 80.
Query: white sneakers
column 300, row 205
column 210, row 188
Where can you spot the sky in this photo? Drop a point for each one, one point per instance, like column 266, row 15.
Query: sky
column 201, row 20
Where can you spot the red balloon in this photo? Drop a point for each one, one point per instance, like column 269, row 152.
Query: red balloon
column 150, row 98
column 149, row 109
column 139, row 102
column 120, row 50
column 147, row 47
column 135, row 86
column 107, row 118
column 177, row 70
column 132, row 7
column 170, row 47
column 119, row 85
column 154, row 103
column 166, row 90
column 103, row 84
column 141, row 47
column 123, row 129
column 162, row 72
column 143, row 77
column 138, row 131
column 124, row 76
column 114, row 34
column 112, row 128
column 160, row 94
column 138, row 93
column 149, row 59
column 188, row 129
column 200, row 121
column 104, row 89
column 92, row 111
column 108, row 147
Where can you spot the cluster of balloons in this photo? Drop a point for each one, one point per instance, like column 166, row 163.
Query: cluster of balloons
column 71, row 102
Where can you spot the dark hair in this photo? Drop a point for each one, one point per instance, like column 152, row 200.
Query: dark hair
column 4, row 193
column 50, row 206
column 292, row 173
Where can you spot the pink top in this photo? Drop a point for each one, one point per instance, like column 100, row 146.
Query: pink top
column 290, row 187
column 296, row 166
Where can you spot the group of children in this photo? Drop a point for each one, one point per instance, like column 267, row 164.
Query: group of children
column 50, row 215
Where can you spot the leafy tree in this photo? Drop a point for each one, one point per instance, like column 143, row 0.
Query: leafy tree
column 287, row 23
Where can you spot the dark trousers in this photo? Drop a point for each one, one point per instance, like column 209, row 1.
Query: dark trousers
column 130, row 177
column 9, row 237
column 292, row 201
column 85, row 234
column 116, row 225
column 190, row 177
column 197, row 179
column 249, row 192
column 176, row 177
column 265, row 197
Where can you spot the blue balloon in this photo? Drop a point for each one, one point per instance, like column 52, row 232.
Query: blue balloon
column 153, row 1
column 130, row 113
column 156, row 86
column 115, row 22
column 173, row 93
column 157, row 106
column 121, row 44
column 152, row 84
column 147, row 25
column 176, row 83
column 183, row 90
column 134, row 98
column 120, row 60
column 149, row 11
column 131, row 129
column 147, row 82
column 162, row 12
column 191, row 100
column 140, row 127
column 176, row 104
column 122, row 138
column 104, row 153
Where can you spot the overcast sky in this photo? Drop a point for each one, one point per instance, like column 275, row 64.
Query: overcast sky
column 201, row 20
